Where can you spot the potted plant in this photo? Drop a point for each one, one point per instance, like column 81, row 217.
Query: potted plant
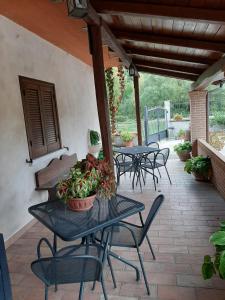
column 183, row 150
column 94, row 142
column 181, row 134
column 127, row 138
column 216, row 264
column 87, row 178
column 178, row 117
column 116, row 139
column 200, row 167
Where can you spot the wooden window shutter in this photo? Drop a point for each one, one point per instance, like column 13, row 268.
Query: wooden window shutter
column 50, row 118
column 31, row 95
column 41, row 117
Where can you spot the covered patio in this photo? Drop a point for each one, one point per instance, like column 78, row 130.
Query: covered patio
column 179, row 236
column 68, row 48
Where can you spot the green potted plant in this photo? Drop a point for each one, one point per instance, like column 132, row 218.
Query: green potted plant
column 178, row 117
column 216, row 264
column 87, row 178
column 181, row 134
column 200, row 167
column 127, row 138
column 94, row 142
column 183, row 150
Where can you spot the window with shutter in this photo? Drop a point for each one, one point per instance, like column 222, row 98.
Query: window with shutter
column 41, row 116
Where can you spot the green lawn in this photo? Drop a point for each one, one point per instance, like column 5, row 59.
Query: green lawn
column 130, row 125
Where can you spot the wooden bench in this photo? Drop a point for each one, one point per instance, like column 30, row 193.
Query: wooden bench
column 58, row 169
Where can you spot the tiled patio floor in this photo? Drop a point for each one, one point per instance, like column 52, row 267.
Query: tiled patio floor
column 180, row 233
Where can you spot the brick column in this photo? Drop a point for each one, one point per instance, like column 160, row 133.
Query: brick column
column 199, row 118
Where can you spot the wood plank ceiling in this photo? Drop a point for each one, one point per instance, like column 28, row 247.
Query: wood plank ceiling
column 177, row 38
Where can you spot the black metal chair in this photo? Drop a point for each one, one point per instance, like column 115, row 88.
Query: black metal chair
column 124, row 164
column 5, row 285
column 153, row 145
column 160, row 160
column 72, row 264
column 129, row 235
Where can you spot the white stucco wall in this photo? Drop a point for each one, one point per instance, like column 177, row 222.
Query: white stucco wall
column 24, row 53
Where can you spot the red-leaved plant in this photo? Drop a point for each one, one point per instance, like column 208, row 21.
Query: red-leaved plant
column 89, row 176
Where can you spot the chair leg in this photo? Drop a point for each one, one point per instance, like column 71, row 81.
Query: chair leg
column 168, row 175
column 127, row 262
column 104, row 289
column 93, row 286
column 111, row 270
column 154, row 179
column 118, row 178
column 159, row 173
column 143, row 271
column 81, row 291
column 143, row 177
column 46, row 292
column 150, row 246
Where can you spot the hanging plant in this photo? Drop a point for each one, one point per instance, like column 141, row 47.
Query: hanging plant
column 121, row 75
column 110, row 85
column 114, row 101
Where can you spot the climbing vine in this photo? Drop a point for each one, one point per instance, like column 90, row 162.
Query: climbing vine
column 121, row 76
column 114, row 101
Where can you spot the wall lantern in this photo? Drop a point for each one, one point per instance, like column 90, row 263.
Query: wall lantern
column 131, row 70
column 77, row 8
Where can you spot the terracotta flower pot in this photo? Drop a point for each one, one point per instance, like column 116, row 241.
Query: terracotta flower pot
column 184, row 155
column 201, row 177
column 81, row 204
column 129, row 144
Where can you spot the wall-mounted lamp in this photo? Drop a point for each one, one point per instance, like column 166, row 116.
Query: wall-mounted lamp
column 77, row 8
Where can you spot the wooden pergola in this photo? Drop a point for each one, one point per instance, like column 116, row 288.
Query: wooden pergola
column 180, row 39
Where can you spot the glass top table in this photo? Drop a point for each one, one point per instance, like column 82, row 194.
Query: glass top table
column 70, row 225
column 136, row 153
column 136, row 150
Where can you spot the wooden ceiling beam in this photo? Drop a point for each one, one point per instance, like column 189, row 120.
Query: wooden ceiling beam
column 172, row 67
column 167, row 73
column 90, row 16
column 214, row 73
column 160, row 11
column 169, row 55
column 149, row 37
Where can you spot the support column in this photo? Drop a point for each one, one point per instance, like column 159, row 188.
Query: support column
column 95, row 39
column 199, row 117
column 137, row 107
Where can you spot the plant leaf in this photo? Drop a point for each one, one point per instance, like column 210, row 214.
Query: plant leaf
column 218, row 238
column 208, row 270
column 222, row 265
column 207, row 259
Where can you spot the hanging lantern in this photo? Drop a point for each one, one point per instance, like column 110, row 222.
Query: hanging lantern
column 131, row 70
column 77, row 8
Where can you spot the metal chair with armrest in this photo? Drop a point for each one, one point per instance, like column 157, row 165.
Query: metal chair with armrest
column 124, row 164
column 129, row 235
column 5, row 285
column 72, row 264
column 160, row 160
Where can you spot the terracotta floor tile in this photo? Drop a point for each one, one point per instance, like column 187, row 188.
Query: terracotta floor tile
column 179, row 235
